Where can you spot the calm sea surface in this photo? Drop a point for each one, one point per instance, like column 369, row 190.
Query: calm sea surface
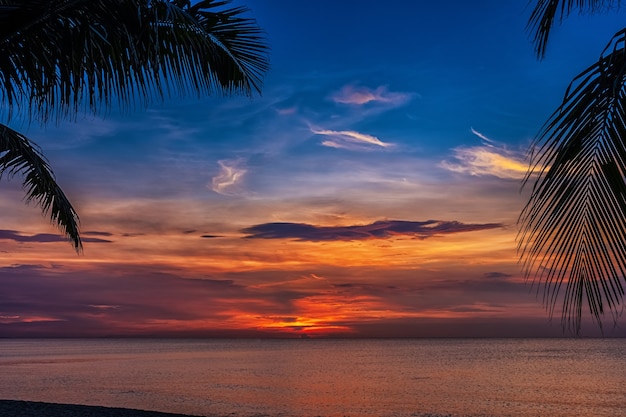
column 458, row 377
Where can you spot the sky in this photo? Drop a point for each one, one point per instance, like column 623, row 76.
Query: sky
column 371, row 190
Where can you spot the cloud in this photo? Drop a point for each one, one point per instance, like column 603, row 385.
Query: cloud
column 97, row 233
column 480, row 135
column 286, row 111
column 487, row 159
column 76, row 134
column 351, row 140
column 378, row 230
column 363, row 95
column 497, row 275
column 228, row 181
column 43, row 237
column 103, row 301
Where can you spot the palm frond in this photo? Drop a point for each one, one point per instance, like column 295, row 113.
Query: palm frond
column 573, row 229
column 18, row 155
column 547, row 12
column 61, row 56
column 238, row 38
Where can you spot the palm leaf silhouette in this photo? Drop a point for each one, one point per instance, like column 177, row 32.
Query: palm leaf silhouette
column 21, row 156
column 62, row 57
column 548, row 12
column 572, row 238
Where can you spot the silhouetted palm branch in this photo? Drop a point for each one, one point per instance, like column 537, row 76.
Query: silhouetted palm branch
column 61, row 57
column 547, row 12
column 573, row 229
column 20, row 156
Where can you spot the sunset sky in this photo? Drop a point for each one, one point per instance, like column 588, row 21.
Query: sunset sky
column 373, row 188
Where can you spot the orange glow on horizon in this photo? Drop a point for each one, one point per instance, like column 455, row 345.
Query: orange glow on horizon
column 178, row 282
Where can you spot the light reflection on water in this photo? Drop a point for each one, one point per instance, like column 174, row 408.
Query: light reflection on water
column 462, row 377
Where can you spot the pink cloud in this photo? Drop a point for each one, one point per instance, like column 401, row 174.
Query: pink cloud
column 230, row 177
column 363, row 95
column 348, row 139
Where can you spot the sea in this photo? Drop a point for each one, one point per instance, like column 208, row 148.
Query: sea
column 318, row 378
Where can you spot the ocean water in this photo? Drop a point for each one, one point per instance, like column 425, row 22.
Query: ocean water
column 334, row 378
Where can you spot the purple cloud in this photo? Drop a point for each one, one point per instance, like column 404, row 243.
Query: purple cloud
column 44, row 237
column 497, row 275
column 96, row 233
column 378, row 230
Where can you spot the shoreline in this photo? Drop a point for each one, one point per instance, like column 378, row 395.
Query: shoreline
column 18, row 408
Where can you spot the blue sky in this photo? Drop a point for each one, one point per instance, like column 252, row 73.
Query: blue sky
column 376, row 122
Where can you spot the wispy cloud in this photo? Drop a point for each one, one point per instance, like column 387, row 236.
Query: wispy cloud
column 355, row 95
column 351, row 140
column 228, row 181
column 378, row 230
column 480, row 135
column 71, row 135
column 490, row 158
column 286, row 111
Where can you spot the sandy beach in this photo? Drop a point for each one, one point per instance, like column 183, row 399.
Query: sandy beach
column 10, row 408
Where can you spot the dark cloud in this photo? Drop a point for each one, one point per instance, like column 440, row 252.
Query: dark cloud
column 219, row 282
column 279, row 319
column 44, row 237
column 22, row 267
column 497, row 275
column 96, row 233
column 475, row 309
column 94, row 240
column 209, row 236
column 377, row 230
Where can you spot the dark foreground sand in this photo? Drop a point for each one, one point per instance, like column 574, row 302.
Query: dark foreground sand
column 9, row 408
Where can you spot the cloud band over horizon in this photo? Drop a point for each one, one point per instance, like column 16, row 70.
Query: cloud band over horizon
column 378, row 230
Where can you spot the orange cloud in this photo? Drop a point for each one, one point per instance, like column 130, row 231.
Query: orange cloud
column 487, row 159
